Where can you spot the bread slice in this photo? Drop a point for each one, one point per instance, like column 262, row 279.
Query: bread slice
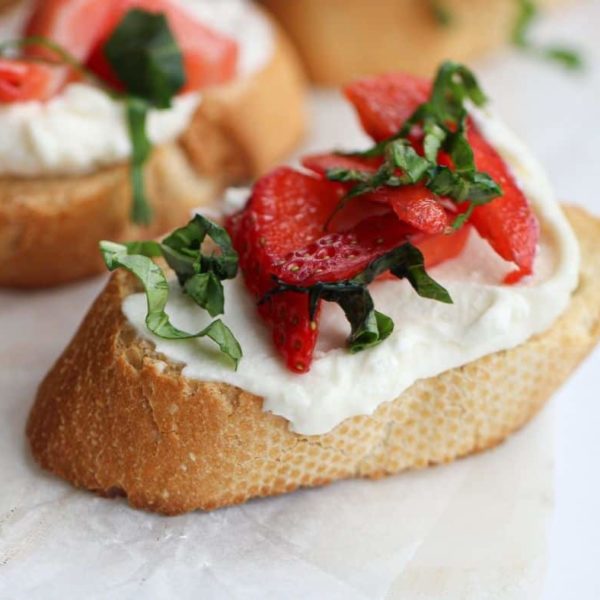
column 391, row 35
column 115, row 417
column 50, row 227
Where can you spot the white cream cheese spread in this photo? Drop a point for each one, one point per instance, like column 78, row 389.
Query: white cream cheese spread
column 83, row 129
column 429, row 337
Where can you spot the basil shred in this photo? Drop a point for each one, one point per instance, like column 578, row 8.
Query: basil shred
column 444, row 120
column 369, row 327
column 144, row 55
column 527, row 13
column 199, row 274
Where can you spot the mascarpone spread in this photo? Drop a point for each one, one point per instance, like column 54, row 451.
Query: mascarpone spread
column 83, row 129
column 429, row 337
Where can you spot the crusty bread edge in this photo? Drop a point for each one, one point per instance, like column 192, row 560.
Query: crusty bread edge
column 114, row 417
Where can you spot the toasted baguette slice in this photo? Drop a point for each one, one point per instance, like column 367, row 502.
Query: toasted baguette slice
column 50, row 227
column 112, row 417
column 341, row 40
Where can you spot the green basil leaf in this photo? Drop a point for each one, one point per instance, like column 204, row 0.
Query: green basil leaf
column 145, row 56
column 567, row 57
column 527, row 13
column 441, row 13
column 137, row 112
column 405, row 157
column 347, row 175
column 475, row 186
column 376, row 328
column 368, row 327
column 148, row 248
column 459, row 148
column 434, row 138
column 207, row 291
column 184, row 250
column 413, row 269
column 525, row 17
column 156, row 288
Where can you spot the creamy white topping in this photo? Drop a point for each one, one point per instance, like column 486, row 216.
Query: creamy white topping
column 429, row 337
column 83, row 129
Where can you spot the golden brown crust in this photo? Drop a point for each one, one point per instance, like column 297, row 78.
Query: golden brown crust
column 344, row 39
column 114, row 417
column 50, row 227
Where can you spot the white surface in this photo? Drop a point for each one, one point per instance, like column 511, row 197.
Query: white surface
column 443, row 527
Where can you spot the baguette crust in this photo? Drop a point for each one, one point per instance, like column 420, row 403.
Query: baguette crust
column 50, row 227
column 114, row 417
column 391, row 35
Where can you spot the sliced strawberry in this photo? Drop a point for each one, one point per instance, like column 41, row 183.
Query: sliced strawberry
column 21, row 81
column 384, row 103
column 508, row 222
column 287, row 210
column 76, row 25
column 209, row 57
column 341, row 256
column 416, row 206
column 442, row 247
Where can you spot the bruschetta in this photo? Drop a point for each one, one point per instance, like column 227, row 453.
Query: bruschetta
column 389, row 308
column 66, row 157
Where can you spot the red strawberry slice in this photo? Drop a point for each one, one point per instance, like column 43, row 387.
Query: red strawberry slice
column 508, row 222
column 21, row 81
column 341, row 256
column 442, row 247
column 287, row 210
column 76, row 25
column 414, row 204
column 209, row 57
column 280, row 232
column 384, row 103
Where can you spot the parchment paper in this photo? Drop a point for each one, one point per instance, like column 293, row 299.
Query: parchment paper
column 474, row 530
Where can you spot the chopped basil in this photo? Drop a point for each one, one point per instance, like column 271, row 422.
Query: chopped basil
column 444, row 121
column 141, row 148
column 145, row 56
column 369, row 327
column 440, row 12
column 199, row 274
column 528, row 11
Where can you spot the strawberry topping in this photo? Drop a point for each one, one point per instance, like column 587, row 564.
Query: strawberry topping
column 209, row 57
column 82, row 27
column 508, row 222
column 21, row 81
column 414, row 204
column 343, row 255
column 287, row 211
